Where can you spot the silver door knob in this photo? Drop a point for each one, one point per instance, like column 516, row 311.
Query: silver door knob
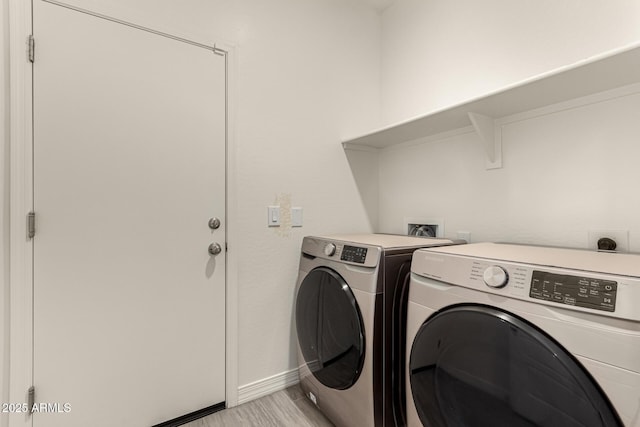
column 214, row 223
column 215, row 249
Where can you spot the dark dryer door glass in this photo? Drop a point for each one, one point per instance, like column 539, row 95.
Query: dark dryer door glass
column 474, row 365
column 330, row 330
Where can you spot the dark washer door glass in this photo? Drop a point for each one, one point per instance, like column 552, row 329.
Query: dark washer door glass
column 330, row 330
column 474, row 365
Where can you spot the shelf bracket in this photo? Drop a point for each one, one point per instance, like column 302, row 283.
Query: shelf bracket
column 491, row 136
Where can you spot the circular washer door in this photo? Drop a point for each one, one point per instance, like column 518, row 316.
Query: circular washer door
column 475, row 365
column 330, row 329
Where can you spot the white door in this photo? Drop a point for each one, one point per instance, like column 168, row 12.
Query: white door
column 129, row 166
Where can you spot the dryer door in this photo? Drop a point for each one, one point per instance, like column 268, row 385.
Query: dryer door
column 330, row 329
column 475, row 365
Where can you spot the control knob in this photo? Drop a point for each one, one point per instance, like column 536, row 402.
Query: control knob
column 495, row 276
column 330, row 249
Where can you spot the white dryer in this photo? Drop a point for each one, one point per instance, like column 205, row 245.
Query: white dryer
column 513, row 335
column 351, row 297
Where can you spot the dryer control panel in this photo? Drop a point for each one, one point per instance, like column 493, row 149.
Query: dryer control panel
column 354, row 254
column 580, row 290
column 360, row 255
column 587, row 292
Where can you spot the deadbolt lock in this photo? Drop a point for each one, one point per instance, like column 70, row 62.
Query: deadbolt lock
column 214, row 223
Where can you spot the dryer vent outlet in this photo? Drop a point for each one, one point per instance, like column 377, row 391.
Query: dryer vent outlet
column 424, row 230
column 608, row 240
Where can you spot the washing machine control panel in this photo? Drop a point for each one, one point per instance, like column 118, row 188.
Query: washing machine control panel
column 570, row 288
column 587, row 292
column 361, row 255
column 353, row 254
column 347, row 253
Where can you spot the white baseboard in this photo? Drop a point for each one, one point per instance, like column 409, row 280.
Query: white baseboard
column 267, row 386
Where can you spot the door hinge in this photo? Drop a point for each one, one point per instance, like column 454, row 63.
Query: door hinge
column 31, row 224
column 32, row 48
column 31, row 398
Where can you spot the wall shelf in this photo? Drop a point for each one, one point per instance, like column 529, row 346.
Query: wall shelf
column 597, row 74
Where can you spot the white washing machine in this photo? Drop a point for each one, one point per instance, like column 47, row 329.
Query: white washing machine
column 511, row 335
column 351, row 296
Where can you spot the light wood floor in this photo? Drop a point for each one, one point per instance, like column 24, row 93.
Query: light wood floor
column 286, row 408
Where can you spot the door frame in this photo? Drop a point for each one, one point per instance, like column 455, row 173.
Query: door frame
column 20, row 337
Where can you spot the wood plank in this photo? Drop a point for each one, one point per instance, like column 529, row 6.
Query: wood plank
column 285, row 408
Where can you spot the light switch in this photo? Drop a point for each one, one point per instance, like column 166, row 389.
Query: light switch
column 273, row 218
column 296, row 217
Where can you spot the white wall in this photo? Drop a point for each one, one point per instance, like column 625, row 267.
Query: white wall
column 437, row 53
column 305, row 73
column 564, row 173
column 308, row 73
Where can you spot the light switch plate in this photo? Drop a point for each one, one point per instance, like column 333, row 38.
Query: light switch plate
column 296, row 217
column 273, row 216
